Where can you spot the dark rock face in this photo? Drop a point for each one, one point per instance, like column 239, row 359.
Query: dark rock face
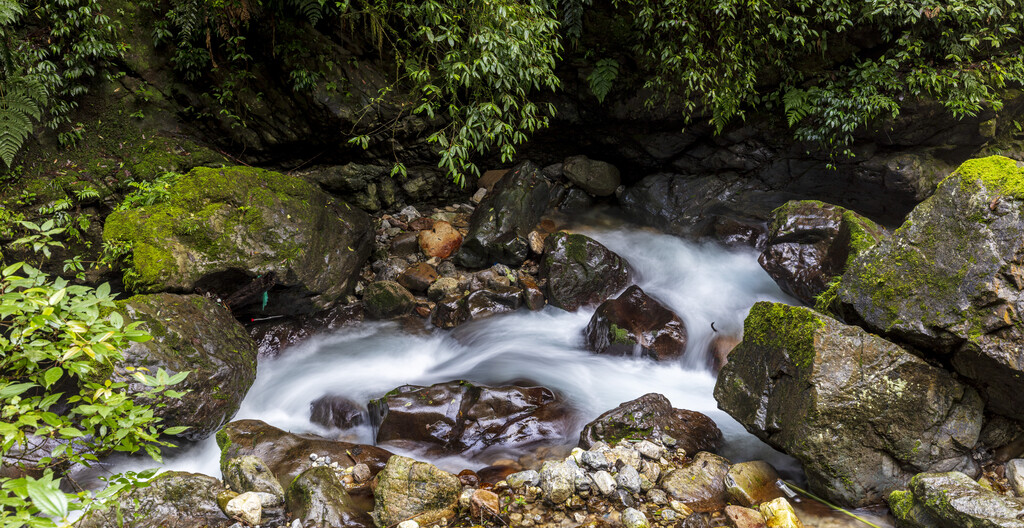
column 953, row 499
column 634, row 323
column 487, row 302
column 336, row 411
column 387, row 299
column 598, row 178
column 191, row 333
column 810, row 243
column 287, row 454
column 318, row 499
column 275, row 335
column 580, row 271
column 861, row 414
column 171, row 499
column 728, row 208
column 950, row 280
column 651, row 416
column 499, row 227
column 459, row 417
column 240, row 232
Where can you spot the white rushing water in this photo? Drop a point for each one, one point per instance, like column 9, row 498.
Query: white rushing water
column 703, row 283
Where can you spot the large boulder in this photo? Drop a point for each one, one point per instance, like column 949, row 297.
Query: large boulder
column 950, row 280
column 596, row 177
column 810, row 243
column 407, row 489
column 953, row 500
column 500, row 225
column 170, row 499
column 288, row 454
column 240, row 232
column 461, row 417
column 580, row 271
column 318, row 499
column 194, row 334
column 634, row 323
column 861, row 414
column 650, row 417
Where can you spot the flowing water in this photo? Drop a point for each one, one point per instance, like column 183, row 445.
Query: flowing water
column 704, row 283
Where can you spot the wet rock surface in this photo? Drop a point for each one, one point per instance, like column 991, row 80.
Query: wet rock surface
column 652, row 416
column 580, row 271
column 411, row 490
column 635, row 324
column 953, row 499
column 336, row 411
column 798, row 375
column 171, row 499
column 318, row 499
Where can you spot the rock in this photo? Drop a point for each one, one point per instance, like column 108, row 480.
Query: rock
column 779, row 514
column 478, row 196
column 450, row 312
column 387, row 299
column 287, row 454
column 532, row 295
column 246, row 508
column 557, row 481
column 491, row 178
column 604, row 482
column 500, row 224
column 249, row 473
column 274, row 335
column 390, row 269
column 810, row 243
column 954, row 499
column 812, row 387
column 171, row 499
column 636, row 324
column 191, row 334
column 751, row 483
column 740, row 517
column 595, row 460
column 491, row 301
column 443, row 287
column 580, row 271
column 241, row 231
column 407, row 489
column 576, row 201
column 523, row 478
column 596, row 177
column 719, row 349
column 408, row 524
column 536, row 239
column 405, row 244
column 484, row 503
column 649, row 449
column 628, row 479
column 1015, row 474
column 949, row 281
column 460, row 417
column 633, row 518
column 441, row 241
column 336, row 411
column 699, row 485
column 418, row 277
column 318, row 498
column 650, row 417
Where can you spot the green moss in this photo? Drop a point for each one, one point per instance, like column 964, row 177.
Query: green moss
column 999, row 175
column 224, row 443
column 620, row 336
column 576, row 248
column 792, row 328
column 901, row 502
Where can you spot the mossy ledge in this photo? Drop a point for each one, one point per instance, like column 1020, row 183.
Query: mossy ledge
column 999, row 175
column 789, row 327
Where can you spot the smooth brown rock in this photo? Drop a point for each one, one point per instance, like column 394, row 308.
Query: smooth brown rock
column 490, row 178
column 701, row 484
column 740, row 517
column 441, row 241
column 649, row 417
column 405, row 244
column 751, row 483
column 418, row 277
column 634, row 324
column 484, row 503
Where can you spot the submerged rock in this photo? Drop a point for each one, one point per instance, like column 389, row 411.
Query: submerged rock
column 580, row 271
column 820, row 390
column 170, row 499
column 462, row 417
column 810, row 243
column 636, row 324
column 240, row 232
column 951, row 280
column 191, row 334
column 411, row 490
column 500, row 225
column 651, row 416
column 336, row 411
column 954, row 499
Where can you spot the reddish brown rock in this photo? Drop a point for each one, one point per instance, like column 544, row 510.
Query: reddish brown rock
column 421, row 223
column 484, row 503
column 651, row 416
column 440, row 241
column 636, row 324
column 718, row 350
column 740, row 517
column 490, row 178
column 418, row 277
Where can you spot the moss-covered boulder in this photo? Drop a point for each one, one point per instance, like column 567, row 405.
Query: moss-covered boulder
column 249, row 473
column 580, row 271
column 810, row 243
column 500, row 225
column 860, row 413
column 240, row 232
column 407, row 489
column 636, row 324
column 650, row 417
column 170, row 499
column 318, row 499
column 953, row 500
column 191, row 333
column 951, row 280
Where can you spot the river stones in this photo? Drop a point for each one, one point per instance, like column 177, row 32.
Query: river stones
column 950, row 281
column 193, row 334
column 953, row 499
column 651, row 416
column 411, row 490
column 441, row 240
column 288, row 454
column 500, row 225
column 580, row 271
column 598, row 178
column 635, row 324
column 810, row 243
column 170, row 499
column 240, row 232
column 861, row 414
column 461, row 417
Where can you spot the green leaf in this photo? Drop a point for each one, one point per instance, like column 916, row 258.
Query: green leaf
column 175, row 430
column 47, row 496
column 52, row 375
column 15, row 389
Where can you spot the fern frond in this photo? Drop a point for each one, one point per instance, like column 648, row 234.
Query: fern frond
column 603, row 77
column 312, row 10
column 21, row 101
column 797, row 104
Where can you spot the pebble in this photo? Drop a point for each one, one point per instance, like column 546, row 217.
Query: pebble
column 479, row 195
column 650, row 450
column 246, row 507
column 523, row 478
column 604, row 482
column 629, row 479
column 633, row 518
column 658, row 497
column 1015, row 474
column 409, row 524
column 595, row 460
